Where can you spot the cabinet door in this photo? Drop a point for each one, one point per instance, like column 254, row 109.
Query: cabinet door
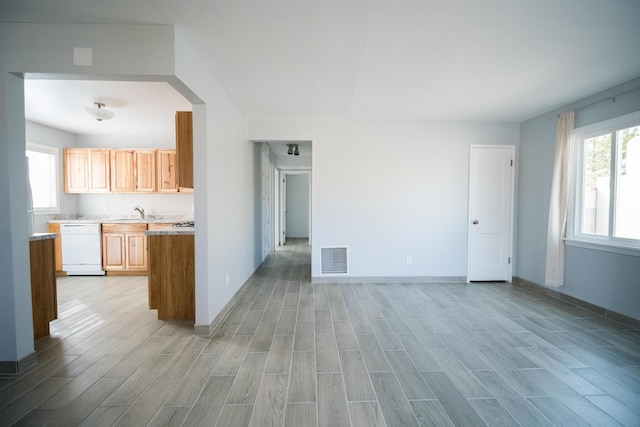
column 136, row 251
column 44, row 300
column 184, row 149
column 122, row 163
column 166, row 168
column 145, row 171
column 54, row 227
column 76, row 170
column 99, row 171
column 113, row 251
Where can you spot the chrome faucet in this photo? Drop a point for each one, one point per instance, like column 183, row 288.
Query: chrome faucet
column 139, row 209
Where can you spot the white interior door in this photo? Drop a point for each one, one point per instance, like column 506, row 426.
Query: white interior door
column 491, row 181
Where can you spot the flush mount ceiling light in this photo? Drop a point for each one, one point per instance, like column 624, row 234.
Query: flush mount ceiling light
column 99, row 112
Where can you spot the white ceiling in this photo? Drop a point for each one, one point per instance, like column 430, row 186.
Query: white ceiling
column 141, row 108
column 455, row 60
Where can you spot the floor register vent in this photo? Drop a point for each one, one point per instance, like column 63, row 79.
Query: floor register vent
column 334, row 260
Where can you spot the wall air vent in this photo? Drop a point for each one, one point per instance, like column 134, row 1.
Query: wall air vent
column 334, row 260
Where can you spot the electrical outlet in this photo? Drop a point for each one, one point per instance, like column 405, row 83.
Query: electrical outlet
column 409, row 260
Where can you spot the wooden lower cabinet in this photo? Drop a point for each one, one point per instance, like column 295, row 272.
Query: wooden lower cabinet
column 172, row 276
column 124, row 248
column 55, row 228
column 136, row 253
column 44, row 295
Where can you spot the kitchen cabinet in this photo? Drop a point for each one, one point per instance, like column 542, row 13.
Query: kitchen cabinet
column 86, row 170
column 124, row 248
column 99, row 170
column 172, row 276
column 122, row 171
column 133, row 171
column 166, row 169
column 184, row 150
column 158, row 226
column 145, row 171
column 57, row 246
column 76, row 170
column 44, row 297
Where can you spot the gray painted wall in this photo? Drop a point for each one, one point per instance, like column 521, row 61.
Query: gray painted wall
column 297, row 205
column 390, row 189
column 606, row 279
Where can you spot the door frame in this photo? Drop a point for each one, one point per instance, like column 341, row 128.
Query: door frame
column 512, row 147
column 282, row 199
column 282, row 206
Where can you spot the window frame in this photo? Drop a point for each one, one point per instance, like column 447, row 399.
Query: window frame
column 575, row 237
column 55, row 152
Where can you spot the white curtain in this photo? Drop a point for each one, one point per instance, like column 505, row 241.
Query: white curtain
column 554, row 275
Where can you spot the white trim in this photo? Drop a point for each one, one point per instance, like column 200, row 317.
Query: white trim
column 575, row 237
column 605, row 246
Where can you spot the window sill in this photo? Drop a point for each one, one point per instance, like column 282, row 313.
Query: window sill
column 602, row 246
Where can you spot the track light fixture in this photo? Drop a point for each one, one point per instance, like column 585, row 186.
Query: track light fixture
column 293, row 149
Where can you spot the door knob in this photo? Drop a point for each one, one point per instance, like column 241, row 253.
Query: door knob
column 475, row 221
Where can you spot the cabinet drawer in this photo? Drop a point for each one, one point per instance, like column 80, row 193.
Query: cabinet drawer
column 158, row 226
column 123, row 228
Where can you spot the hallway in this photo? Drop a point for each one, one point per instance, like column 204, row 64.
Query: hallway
column 296, row 354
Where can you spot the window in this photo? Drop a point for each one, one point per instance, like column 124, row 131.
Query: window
column 607, row 190
column 43, row 176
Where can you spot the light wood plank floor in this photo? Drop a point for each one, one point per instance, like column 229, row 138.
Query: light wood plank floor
column 296, row 354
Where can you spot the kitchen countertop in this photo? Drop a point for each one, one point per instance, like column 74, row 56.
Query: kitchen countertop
column 172, row 231
column 42, row 236
column 129, row 219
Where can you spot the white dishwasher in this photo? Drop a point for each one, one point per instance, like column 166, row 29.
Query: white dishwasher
column 81, row 249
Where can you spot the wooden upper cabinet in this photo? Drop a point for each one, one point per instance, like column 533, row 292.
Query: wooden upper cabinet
column 76, row 170
column 86, row 170
column 145, row 171
column 166, row 168
column 122, row 172
column 99, row 171
column 184, row 149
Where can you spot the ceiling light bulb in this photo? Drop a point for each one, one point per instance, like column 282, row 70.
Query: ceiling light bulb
column 99, row 112
column 290, row 152
column 296, row 152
